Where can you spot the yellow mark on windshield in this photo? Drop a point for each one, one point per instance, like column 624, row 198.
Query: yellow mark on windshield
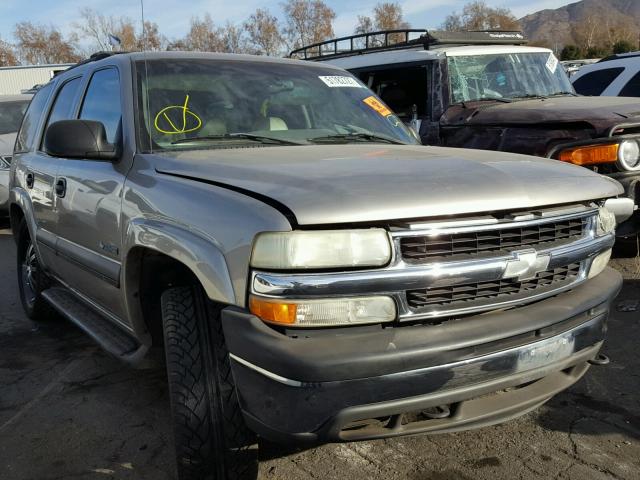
column 190, row 121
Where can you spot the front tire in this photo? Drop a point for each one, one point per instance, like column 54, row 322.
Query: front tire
column 32, row 280
column 212, row 440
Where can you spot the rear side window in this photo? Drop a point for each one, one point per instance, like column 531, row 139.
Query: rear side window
column 595, row 83
column 102, row 101
column 29, row 127
column 403, row 89
column 65, row 101
column 632, row 88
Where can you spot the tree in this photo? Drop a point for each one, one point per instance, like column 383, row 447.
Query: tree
column 7, row 54
column 623, row 46
column 98, row 28
column 597, row 52
column 365, row 25
column 307, row 22
column 263, row 32
column 388, row 16
column 478, row 15
column 233, row 39
column 571, row 52
column 203, row 36
column 37, row 44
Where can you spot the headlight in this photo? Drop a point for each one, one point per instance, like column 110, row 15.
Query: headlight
column 323, row 313
column 4, row 163
column 299, row 250
column 606, row 221
column 629, row 155
column 599, row 263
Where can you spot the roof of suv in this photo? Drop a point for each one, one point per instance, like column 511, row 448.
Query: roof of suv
column 419, row 54
column 111, row 58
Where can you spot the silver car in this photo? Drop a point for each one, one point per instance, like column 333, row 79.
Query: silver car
column 312, row 272
column 12, row 108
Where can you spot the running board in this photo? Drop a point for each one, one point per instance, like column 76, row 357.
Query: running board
column 110, row 337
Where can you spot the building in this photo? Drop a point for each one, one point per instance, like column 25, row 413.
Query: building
column 14, row 80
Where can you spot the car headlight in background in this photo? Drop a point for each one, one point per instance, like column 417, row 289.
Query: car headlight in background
column 629, row 155
column 606, row 221
column 5, row 163
column 303, row 250
column 331, row 312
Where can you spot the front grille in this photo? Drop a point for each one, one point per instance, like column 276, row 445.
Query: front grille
column 428, row 247
column 458, row 295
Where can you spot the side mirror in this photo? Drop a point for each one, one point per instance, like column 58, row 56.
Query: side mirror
column 79, row 139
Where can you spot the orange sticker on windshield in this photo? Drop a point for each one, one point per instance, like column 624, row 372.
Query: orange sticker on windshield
column 378, row 106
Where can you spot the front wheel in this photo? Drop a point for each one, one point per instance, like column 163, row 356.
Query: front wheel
column 32, row 280
column 212, row 440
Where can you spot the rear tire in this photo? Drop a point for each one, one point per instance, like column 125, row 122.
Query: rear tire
column 32, row 280
column 212, row 440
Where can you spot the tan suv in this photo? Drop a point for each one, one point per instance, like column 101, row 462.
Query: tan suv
column 313, row 273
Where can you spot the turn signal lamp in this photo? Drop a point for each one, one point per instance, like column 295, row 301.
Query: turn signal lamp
column 591, row 154
column 323, row 313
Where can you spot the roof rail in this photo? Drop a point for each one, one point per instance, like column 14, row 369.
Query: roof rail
column 403, row 38
column 619, row 56
column 94, row 57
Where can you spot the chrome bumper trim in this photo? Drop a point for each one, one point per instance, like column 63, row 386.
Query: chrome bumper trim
column 535, row 356
column 397, row 279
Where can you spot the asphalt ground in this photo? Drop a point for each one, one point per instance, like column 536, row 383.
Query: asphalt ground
column 69, row 411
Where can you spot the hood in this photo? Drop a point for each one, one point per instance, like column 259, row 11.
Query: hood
column 369, row 183
column 6, row 143
column 600, row 112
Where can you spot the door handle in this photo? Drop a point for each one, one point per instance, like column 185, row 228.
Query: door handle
column 29, row 180
column 61, row 187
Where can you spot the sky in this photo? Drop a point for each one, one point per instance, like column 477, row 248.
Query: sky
column 173, row 16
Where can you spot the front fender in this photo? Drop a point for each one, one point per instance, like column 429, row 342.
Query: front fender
column 194, row 250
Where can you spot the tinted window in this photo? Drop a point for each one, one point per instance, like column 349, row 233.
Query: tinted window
column 595, row 83
column 65, row 102
column 102, row 101
column 28, row 129
column 632, row 88
column 401, row 89
column 11, row 114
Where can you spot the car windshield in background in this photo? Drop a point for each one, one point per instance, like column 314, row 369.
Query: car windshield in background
column 200, row 103
column 506, row 76
column 11, row 114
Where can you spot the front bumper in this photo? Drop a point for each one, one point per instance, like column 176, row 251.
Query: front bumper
column 352, row 384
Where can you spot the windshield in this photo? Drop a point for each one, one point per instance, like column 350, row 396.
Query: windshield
column 11, row 114
column 201, row 103
column 506, row 76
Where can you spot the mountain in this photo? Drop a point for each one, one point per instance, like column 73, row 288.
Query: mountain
column 555, row 27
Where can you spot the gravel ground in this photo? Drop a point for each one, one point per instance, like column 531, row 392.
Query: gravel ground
column 67, row 410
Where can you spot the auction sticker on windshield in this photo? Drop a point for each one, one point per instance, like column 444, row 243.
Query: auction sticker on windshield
column 552, row 63
column 378, row 106
column 334, row 81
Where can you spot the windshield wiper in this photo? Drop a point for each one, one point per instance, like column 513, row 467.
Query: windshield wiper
column 234, row 136
column 355, row 136
column 485, row 99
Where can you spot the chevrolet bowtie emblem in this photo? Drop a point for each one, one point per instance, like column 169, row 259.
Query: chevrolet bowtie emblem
column 526, row 264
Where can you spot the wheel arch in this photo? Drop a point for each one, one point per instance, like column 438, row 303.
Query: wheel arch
column 160, row 255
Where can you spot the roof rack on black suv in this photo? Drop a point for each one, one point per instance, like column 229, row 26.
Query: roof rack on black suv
column 404, row 38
